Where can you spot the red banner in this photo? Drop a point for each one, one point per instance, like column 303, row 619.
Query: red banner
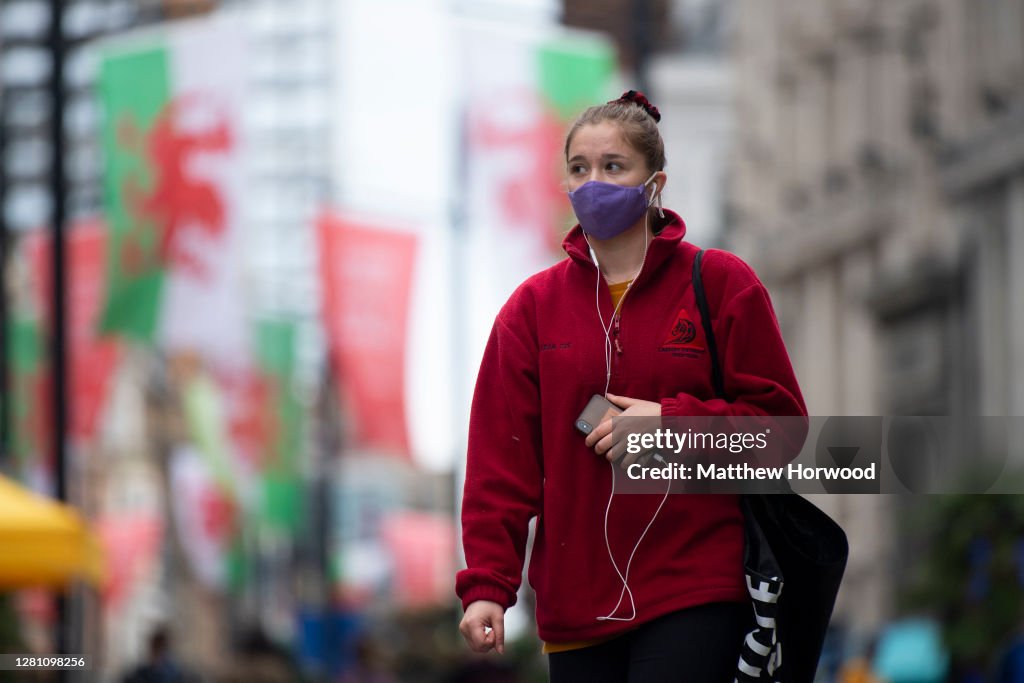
column 92, row 359
column 422, row 549
column 366, row 276
column 131, row 546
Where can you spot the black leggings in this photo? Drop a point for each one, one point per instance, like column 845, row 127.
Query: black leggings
column 697, row 645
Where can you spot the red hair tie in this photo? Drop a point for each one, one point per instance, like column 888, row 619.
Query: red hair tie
column 637, row 97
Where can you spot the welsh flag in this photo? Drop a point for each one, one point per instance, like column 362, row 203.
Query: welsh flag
column 240, row 467
column 523, row 95
column 28, row 393
column 261, row 423
column 173, row 187
column 522, row 90
column 205, row 516
column 246, row 424
column 275, row 353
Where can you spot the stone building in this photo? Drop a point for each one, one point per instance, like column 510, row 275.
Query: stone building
column 878, row 189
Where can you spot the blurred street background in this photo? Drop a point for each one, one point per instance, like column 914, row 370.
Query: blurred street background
column 251, row 251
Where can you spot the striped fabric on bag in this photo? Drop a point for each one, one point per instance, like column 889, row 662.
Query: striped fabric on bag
column 761, row 656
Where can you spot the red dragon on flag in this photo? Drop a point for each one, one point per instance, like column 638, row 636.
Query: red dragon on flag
column 180, row 199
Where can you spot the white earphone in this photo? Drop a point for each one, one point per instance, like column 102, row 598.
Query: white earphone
column 624, row 577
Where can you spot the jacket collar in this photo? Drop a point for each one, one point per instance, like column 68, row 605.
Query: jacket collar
column 661, row 247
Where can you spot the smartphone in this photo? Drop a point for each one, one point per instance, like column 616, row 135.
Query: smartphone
column 597, row 410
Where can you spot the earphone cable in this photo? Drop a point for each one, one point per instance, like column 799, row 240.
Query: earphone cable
column 626, row 590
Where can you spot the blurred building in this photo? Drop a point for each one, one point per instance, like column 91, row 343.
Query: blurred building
column 639, row 28
column 691, row 81
column 878, row 190
column 288, row 175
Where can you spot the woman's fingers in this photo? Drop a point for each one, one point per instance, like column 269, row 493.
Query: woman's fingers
column 600, row 432
column 631, row 458
column 483, row 626
column 498, row 634
column 612, row 445
column 611, row 448
column 477, row 636
column 624, row 402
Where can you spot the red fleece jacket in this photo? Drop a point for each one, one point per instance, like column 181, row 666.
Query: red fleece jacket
column 543, row 361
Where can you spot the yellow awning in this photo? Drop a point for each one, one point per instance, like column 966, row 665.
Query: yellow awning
column 43, row 543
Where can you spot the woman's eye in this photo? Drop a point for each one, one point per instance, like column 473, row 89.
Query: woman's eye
column 613, row 167
column 576, row 170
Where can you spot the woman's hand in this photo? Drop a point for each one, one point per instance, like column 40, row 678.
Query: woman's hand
column 613, row 446
column 483, row 626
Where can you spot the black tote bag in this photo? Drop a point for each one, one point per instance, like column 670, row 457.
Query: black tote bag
column 794, row 559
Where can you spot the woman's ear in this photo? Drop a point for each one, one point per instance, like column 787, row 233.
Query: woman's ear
column 661, row 178
column 658, row 183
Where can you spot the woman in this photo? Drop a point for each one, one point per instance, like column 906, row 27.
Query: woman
column 637, row 587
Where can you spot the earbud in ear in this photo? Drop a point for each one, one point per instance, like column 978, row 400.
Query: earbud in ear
column 656, row 200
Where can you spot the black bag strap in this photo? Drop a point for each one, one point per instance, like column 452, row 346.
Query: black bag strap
column 709, row 339
column 709, row 334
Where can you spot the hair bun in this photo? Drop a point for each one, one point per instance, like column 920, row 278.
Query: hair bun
column 637, row 97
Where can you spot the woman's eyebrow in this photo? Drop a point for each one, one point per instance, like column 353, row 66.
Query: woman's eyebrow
column 580, row 157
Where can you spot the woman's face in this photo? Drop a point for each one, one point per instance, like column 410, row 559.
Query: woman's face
column 599, row 151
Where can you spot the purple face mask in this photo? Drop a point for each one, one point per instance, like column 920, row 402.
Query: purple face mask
column 606, row 209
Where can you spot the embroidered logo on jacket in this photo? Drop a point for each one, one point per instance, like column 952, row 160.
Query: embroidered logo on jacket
column 682, row 336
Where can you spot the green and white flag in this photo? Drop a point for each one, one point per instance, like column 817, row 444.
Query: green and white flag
column 246, row 423
column 27, row 395
column 281, row 476
column 171, row 134
column 523, row 90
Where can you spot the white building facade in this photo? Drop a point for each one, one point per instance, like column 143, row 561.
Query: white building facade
column 878, row 189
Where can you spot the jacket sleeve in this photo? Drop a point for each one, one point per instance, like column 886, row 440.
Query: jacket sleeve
column 756, row 370
column 504, row 479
